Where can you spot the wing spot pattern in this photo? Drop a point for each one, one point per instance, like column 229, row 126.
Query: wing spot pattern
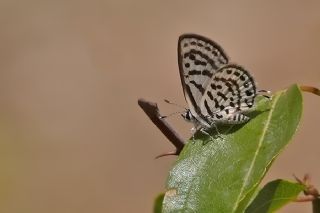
column 219, row 116
column 222, row 95
column 206, row 57
column 213, row 86
column 194, row 72
column 249, row 93
column 207, row 73
column 210, row 95
column 236, row 74
column 192, row 57
column 208, row 108
column 215, row 53
column 200, row 45
column 198, row 86
column 216, row 103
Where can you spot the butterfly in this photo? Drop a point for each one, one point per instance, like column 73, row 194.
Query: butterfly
column 216, row 91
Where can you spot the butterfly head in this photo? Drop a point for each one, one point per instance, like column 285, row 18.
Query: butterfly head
column 187, row 115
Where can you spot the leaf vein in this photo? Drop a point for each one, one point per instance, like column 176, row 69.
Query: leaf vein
column 245, row 180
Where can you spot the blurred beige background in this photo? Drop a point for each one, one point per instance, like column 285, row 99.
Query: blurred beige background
column 73, row 138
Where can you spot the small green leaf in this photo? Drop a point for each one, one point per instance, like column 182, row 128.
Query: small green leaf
column 220, row 175
column 274, row 195
column 157, row 207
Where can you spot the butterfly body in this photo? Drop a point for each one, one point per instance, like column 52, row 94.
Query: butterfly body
column 215, row 90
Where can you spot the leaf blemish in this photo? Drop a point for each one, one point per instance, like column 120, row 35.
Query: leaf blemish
column 171, row 192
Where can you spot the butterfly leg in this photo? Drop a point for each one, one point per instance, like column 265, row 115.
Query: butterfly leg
column 193, row 132
column 202, row 130
column 217, row 130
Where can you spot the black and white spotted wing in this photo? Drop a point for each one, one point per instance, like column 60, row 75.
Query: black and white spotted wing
column 216, row 91
column 199, row 59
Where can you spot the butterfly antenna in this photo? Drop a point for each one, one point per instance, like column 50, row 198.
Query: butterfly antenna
column 174, row 113
column 169, row 102
column 267, row 95
column 265, row 91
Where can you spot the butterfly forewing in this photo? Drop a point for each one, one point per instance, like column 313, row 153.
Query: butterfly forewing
column 230, row 92
column 199, row 59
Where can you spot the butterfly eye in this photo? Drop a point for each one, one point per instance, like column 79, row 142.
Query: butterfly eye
column 187, row 115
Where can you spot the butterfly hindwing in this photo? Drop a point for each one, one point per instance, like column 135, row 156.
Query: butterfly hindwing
column 230, row 92
column 199, row 59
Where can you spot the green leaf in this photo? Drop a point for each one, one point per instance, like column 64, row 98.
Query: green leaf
column 219, row 175
column 247, row 199
column 157, row 207
column 274, row 195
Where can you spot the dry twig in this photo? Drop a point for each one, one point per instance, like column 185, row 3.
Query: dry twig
column 152, row 111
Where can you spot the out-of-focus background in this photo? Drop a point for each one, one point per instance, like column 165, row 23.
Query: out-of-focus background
column 72, row 137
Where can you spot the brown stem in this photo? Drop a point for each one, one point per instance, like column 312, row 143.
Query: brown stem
column 152, row 111
column 311, row 192
column 310, row 89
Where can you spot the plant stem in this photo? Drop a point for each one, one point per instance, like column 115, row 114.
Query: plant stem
column 152, row 111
